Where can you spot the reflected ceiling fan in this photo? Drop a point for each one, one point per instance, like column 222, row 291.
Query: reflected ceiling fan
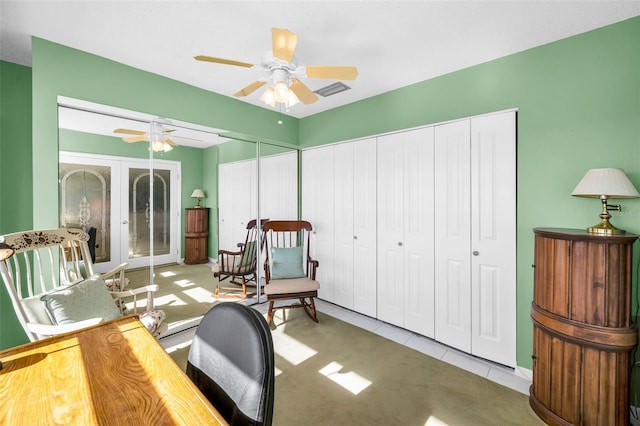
column 283, row 72
column 159, row 135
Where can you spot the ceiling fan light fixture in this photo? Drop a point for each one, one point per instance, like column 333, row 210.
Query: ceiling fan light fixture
column 161, row 146
column 281, row 92
column 269, row 97
column 292, row 99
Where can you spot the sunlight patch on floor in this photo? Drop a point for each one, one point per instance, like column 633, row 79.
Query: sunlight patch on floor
column 169, row 299
column 277, row 371
column 199, row 294
column 291, row 349
column 183, row 283
column 434, row 421
column 351, row 381
column 167, row 274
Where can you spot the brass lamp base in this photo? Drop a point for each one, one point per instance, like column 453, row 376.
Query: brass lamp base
column 605, row 228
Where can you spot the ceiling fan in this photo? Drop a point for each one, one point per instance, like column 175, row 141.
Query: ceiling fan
column 283, row 72
column 160, row 137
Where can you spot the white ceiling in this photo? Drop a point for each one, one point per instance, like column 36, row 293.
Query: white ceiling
column 393, row 43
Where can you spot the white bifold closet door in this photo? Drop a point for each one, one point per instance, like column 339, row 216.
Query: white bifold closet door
column 405, row 230
column 475, row 280
column 339, row 199
column 238, row 194
column 237, row 201
column 355, row 225
column 318, row 208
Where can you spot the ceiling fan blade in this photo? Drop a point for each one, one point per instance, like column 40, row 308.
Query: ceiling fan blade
column 135, row 139
column 222, row 61
column 129, row 132
column 250, row 88
column 170, row 142
column 303, row 93
column 284, row 43
column 335, row 73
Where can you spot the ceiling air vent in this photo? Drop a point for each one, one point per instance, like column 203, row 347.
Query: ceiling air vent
column 332, row 89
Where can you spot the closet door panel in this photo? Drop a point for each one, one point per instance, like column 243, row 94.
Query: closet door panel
column 453, row 235
column 343, row 224
column 390, row 204
column 324, row 223
column 493, row 209
column 237, row 191
column 364, row 227
column 418, row 217
column 279, row 186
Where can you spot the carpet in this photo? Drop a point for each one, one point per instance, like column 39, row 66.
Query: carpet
column 334, row 373
column 184, row 291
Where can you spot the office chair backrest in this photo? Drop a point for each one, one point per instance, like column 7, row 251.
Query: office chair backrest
column 231, row 360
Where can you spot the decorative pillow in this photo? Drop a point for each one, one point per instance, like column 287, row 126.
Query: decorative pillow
column 250, row 253
column 84, row 300
column 286, row 263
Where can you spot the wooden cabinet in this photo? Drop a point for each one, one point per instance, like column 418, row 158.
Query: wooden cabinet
column 583, row 334
column 196, row 235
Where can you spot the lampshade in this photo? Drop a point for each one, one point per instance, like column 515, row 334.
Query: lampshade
column 280, row 92
column 197, row 193
column 605, row 184
column 612, row 183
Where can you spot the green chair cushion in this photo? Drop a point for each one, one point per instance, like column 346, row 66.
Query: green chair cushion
column 286, row 263
column 81, row 301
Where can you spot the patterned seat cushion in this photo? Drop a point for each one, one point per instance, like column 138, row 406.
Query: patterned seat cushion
column 154, row 321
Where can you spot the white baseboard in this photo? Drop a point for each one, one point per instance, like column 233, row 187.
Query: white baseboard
column 525, row 373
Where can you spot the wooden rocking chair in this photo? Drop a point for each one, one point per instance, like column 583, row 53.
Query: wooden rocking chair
column 289, row 270
column 239, row 264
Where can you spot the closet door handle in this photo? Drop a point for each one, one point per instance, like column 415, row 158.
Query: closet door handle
column 399, row 243
column 475, row 253
column 355, row 237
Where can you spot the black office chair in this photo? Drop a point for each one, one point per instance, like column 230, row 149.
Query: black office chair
column 231, row 360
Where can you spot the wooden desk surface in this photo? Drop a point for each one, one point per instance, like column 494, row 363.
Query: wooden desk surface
column 113, row 373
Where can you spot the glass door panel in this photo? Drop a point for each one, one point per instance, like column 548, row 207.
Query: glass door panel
column 142, row 214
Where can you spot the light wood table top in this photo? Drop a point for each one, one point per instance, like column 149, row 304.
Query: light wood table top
column 114, row 373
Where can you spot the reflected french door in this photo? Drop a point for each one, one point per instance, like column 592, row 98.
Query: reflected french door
column 112, row 194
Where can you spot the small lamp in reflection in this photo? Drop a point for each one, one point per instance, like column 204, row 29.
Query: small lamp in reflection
column 198, row 194
column 6, row 251
column 605, row 184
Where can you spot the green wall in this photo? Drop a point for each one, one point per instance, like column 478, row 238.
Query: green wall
column 59, row 70
column 578, row 103
column 16, row 206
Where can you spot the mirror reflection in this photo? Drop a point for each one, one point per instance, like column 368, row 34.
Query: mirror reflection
column 127, row 178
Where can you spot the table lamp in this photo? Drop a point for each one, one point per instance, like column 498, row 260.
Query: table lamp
column 605, row 184
column 198, row 194
column 6, row 251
